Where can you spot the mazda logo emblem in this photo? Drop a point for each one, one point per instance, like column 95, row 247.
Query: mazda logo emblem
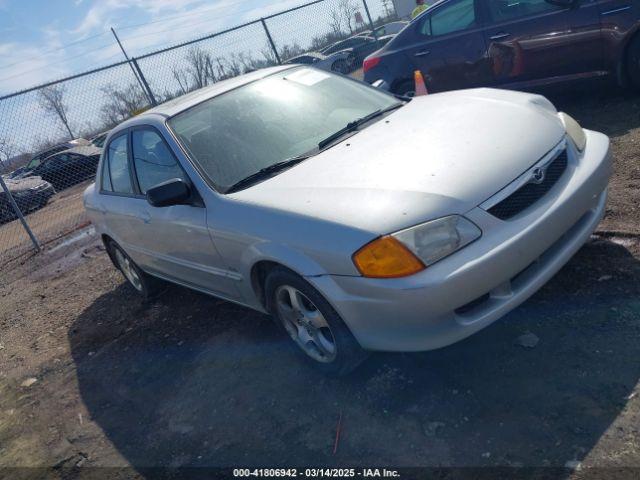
column 537, row 176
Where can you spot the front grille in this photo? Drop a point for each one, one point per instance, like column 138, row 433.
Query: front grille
column 530, row 193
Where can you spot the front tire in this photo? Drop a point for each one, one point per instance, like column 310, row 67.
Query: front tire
column 633, row 63
column 316, row 329
column 145, row 284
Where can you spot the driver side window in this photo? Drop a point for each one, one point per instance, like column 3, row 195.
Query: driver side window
column 454, row 17
column 152, row 159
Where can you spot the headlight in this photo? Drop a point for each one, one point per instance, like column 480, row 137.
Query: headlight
column 435, row 240
column 574, row 130
column 413, row 249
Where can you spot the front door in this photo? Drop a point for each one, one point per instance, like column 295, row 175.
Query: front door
column 175, row 240
column 171, row 242
column 448, row 46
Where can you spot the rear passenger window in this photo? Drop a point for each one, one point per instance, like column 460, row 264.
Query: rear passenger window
column 118, row 165
column 505, row 10
column 106, row 176
column 452, row 17
column 153, row 160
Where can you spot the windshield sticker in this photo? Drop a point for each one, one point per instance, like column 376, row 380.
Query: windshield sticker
column 307, row 76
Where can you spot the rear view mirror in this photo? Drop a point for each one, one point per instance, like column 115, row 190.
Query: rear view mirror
column 172, row 192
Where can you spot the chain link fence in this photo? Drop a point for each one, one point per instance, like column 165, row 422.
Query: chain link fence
column 51, row 135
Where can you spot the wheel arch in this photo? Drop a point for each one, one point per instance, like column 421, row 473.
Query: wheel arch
column 623, row 73
column 106, row 241
column 264, row 257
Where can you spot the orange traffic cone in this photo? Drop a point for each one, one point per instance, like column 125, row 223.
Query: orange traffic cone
column 421, row 88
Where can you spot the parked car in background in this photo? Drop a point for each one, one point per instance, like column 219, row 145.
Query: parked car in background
column 68, row 167
column 359, row 221
column 358, row 46
column 392, row 28
column 524, row 44
column 29, row 194
column 340, row 62
column 40, row 156
column 98, row 140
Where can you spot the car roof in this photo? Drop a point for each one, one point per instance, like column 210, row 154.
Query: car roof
column 184, row 102
column 86, row 150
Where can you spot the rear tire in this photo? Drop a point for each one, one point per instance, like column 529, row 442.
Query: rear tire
column 143, row 283
column 317, row 331
column 633, row 63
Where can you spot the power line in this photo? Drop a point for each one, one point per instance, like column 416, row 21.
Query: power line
column 165, row 19
column 171, row 17
column 155, row 32
column 53, row 50
column 55, row 63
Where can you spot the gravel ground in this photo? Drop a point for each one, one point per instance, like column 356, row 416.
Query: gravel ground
column 91, row 376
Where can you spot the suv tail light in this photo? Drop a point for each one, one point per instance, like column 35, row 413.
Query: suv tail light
column 369, row 63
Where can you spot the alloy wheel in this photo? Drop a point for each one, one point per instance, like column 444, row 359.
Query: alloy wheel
column 305, row 324
column 129, row 271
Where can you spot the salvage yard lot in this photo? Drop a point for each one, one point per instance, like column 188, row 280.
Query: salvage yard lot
column 189, row 380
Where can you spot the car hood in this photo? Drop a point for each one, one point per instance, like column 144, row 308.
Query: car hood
column 438, row 155
column 20, row 184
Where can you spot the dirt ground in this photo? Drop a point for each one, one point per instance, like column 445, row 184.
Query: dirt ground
column 62, row 214
column 92, row 376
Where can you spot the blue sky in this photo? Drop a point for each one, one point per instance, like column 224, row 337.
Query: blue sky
column 41, row 40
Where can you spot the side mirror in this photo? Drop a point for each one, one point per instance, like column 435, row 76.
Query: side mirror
column 172, row 192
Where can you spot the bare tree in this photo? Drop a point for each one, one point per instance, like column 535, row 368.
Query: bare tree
column 7, row 151
column 335, row 22
column 122, row 103
column 200, row 68
column 348, row 10
column 182, row 79
column 52, row 101
column 387, row 8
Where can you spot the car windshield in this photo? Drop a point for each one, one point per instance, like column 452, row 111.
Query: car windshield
column 282, row 116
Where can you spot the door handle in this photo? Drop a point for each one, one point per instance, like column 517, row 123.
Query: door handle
column 422, row 53
column 500, row 36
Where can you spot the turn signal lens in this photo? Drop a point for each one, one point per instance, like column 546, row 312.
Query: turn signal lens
column 386, row 257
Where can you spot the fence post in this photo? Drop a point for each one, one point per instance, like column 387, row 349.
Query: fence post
column 19, row 214
column 133, row 70
column 366, row 9
column 152, row 99
column 273, row 45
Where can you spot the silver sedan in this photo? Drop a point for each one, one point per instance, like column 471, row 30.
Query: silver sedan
column 358, row 220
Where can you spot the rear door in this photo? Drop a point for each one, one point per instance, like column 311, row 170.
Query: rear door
column 448, row 46
column 117, row 196
column 537, row 41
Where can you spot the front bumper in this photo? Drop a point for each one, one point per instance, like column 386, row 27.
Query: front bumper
column 474, row 287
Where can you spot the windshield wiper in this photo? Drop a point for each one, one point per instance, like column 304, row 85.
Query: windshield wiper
column 353, row 126
column 266, row 172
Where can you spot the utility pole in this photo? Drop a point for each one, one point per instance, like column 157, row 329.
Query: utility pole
column 135, row 74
